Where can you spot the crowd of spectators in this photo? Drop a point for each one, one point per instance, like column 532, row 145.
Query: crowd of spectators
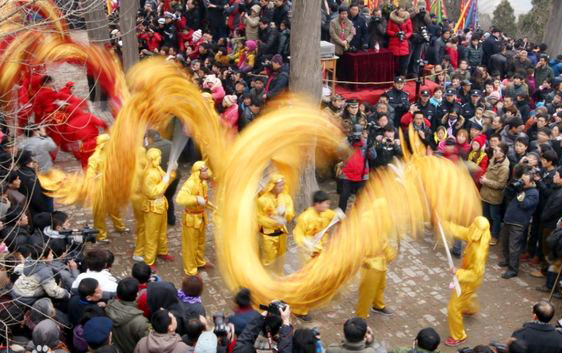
column 497, row 108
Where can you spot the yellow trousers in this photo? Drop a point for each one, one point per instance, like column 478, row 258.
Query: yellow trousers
column 193, row 248
column 273, row 252
column 139, row 218
column 99, row 223
column 371, row 291
column 465, row 304
column 156, row 239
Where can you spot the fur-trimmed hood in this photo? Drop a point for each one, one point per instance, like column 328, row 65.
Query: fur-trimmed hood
column 399, row 16
column 459, row 124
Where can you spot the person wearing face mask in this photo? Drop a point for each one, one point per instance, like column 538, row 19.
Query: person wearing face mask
column 194, row 195
column 155, row 183
column 275, row 210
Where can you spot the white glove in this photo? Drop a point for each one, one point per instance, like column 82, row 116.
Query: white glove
column 201, row 201
column 281, row 210
column 280, row 220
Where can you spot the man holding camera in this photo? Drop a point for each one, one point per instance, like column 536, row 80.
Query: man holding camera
column 275, row 210
column 517, row 216
column 274, row 324
column 420, row 39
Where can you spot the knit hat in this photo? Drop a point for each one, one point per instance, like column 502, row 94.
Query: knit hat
column 197, row 35
column 229, row 100
column 256, row 8
column 481, row 139
column 494, row 95
column 278, row 59
column 97, row 330
column 207, row 343
column 46, row 333
column 251, row 45
column 211, row 80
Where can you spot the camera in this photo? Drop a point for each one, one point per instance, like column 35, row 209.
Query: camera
column 355, row 135
column 517, row 185
column 425, row 34
column 499, row 347
column 80, row 236
column 401, row 35
column 220, row 325
column 274, row 308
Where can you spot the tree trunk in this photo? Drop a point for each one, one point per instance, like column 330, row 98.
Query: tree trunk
column 97, row 26
column 306, row 78
column 305, row 75
column 553, row 30
column 127, row 25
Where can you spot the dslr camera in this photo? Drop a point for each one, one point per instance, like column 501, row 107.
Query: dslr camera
column 274, row 308
column 219, row 321
column 401, row 35
column 80, row 236
column 517, row 185
column 425, row 34
column 355, row 135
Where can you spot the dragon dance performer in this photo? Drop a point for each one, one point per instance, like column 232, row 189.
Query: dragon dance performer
column 275, row 209
column 137, row 201
column 373, row 284
column 95, row 167
column 470, row 275
column 311, row 223
column 154, row 185
column 194, row 195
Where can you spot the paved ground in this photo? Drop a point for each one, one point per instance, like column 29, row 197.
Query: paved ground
column 417, row 288
column 417, row 281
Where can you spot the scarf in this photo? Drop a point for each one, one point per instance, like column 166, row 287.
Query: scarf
column 188, row 299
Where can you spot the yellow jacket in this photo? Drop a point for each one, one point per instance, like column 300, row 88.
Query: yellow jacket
column 267, row 207
column 187, row 196
column 311, row 222
column 153, row 189
column 136, row 189
column 380, row 262
column 477, row 237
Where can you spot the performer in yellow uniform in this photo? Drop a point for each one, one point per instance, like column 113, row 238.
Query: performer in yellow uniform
column 154, row 185
column 313, row 220
column 275, row 210
column 470, row 275
column 194, row 196
column 373, row 284
column 95, row 167
column 137, row 200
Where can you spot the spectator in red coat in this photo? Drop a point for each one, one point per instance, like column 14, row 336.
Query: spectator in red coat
column 230, row 115
column 152, row 39
column 399, row 30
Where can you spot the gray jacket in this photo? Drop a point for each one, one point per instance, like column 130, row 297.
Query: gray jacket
column 37, row 281
column 40, row 148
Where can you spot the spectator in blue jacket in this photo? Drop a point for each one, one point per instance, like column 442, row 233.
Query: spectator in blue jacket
column 517, row 216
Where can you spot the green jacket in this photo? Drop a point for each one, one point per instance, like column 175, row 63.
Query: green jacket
column 129, row 324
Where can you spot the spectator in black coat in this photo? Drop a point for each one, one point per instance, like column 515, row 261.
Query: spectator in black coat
column 31, row 187
column 280, row 12
column 376, row 30
column 540, row 336
column 278, row 77
column 268, row 39
column 279, row 326
column 360, row 39
column 89, row 294
column 491, row 46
